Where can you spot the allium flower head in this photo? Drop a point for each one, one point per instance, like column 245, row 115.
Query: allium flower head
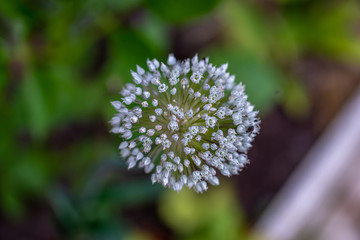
column 184, row 122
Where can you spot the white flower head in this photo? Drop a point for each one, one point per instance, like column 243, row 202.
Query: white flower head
column 185, row 122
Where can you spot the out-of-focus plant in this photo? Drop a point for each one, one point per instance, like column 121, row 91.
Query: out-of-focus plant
column 264, row 45
column 181, row 11
column 58, row 71
column 214, row 215
column 94, row 210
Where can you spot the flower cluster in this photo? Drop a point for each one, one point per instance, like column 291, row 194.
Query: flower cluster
column 184, row 122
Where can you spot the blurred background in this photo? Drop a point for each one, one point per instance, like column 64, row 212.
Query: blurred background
column 62, row 62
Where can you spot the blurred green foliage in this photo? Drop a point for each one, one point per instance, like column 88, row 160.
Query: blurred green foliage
column 215, row 215
column 181, row 11
column 94, row 211
column 62, row 61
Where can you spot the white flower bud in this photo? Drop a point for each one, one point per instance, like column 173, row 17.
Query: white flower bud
column 202, row 122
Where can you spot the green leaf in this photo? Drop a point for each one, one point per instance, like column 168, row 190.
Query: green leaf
column 119, row 6
column 35, row 106
column 3, row 79
column 224, row 218
column 128, row 49
column 156, row 31
column 27, row 174
column 30, row 174
column 295, row 99
column 330, row 35
column 11, row 203
column 63, row 207
column 246, row 27
column 181, row 11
